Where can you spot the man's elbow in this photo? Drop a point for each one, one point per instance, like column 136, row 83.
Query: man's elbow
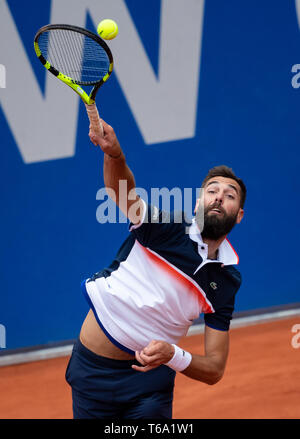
column 214, row 378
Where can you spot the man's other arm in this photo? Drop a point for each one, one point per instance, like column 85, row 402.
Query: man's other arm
column 208, row 368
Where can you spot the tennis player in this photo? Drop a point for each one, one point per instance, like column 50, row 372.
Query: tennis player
column 164, row 275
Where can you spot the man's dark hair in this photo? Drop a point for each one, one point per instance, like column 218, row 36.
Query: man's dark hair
column 224, row 171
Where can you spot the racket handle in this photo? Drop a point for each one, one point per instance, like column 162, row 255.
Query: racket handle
column 95, row 122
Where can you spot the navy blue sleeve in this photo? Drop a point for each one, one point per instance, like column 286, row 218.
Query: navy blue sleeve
column 220, row 319
column 224, row 303
column 158, row 226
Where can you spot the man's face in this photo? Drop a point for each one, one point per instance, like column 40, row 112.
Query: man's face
column 220, row 200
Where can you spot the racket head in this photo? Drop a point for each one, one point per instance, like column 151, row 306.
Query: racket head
column 76, row 56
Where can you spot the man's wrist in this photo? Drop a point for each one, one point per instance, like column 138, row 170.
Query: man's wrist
column 115, row 157
column 180, row 360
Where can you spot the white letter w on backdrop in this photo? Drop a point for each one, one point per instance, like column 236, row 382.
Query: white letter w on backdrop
column 164, row 107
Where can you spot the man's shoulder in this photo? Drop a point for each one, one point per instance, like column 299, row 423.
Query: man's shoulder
column 234, row 274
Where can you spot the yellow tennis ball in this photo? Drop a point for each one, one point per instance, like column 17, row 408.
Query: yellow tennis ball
column 107, row 29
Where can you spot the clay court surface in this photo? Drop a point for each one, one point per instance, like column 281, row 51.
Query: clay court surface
column 262, row 381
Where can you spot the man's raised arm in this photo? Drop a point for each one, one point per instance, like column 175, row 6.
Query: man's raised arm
column 116, row 169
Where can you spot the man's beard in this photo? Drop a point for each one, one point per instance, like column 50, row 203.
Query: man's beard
column 217, row 225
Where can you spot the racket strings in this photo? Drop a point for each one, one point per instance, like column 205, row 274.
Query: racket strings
column 75, row 55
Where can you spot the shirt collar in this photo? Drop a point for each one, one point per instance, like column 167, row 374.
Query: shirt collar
column 226, row 253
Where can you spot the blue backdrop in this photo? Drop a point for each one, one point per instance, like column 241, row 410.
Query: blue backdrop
column 245, row 114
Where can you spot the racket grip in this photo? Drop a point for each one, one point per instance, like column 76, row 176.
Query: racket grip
column 95, row 122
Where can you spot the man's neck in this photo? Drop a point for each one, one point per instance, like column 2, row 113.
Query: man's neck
column 213, row 247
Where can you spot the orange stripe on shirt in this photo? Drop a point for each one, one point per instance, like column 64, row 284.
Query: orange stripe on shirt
column 237, row 256
column 169, row 269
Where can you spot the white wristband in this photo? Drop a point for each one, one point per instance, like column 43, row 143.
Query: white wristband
column 180, row 360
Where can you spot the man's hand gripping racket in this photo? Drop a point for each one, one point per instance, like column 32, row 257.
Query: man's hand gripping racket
column 96, row 125
column 107, row 141
column 78, row 58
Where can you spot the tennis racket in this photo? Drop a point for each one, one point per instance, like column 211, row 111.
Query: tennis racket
column 78, row 58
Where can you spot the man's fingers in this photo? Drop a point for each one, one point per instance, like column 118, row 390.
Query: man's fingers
column 149, row 358
column 98, row 140
column 139, row 359
column 143, row 368
column 105, row 125
column 93, row 140
column 153, row 348
column 145, row 360
column 155, row 354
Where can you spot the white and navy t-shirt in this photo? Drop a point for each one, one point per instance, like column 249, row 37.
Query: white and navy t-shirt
column 161, row 281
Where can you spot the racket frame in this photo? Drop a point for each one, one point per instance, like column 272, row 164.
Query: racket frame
column 88, row 99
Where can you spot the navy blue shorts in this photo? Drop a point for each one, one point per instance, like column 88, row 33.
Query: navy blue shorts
column 104, row 388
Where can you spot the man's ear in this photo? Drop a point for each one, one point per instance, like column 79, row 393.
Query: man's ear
column 239, row 216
